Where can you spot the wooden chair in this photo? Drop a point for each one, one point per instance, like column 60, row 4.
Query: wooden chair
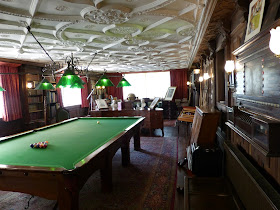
column 62, row 114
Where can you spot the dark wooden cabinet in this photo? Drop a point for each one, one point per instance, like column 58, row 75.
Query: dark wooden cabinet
column 170, row 110
column 153, row 118
column 259, row 130
column 265, row 132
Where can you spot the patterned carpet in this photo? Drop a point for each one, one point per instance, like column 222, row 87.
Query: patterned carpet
column 148, row 183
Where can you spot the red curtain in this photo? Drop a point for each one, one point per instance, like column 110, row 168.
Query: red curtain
column 84, row 93
column 10, row 82
column 114, row 91
column 178, row 78
column 58, row 91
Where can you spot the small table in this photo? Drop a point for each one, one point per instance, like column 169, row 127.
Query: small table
column 77, row 148
column 186, row 115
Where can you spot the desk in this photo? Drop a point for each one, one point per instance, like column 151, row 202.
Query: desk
column 77, row 147
column 153, row 118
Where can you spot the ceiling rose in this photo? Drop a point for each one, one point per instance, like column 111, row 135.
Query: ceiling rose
column 111, row 16
column 61, row 8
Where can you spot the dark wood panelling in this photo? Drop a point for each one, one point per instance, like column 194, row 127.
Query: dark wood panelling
column 269, row 166
column 257, row 84
column 9, row 128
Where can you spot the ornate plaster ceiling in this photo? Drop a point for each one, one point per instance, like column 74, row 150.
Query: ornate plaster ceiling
column 127, row 35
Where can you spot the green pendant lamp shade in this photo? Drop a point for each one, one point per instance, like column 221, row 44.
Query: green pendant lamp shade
column 2, row 89
column 123, row 83
column 70, row 79
column 104, row 81
column 44, row 85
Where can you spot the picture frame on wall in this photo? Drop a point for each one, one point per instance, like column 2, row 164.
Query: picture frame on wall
column 101, row 104
column 255, row 17
column 154, row 103
column 170, row 93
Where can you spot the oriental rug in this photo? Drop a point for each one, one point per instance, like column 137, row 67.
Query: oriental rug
column 149, row 182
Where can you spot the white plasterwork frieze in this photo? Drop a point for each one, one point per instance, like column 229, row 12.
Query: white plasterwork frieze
column 110, row 16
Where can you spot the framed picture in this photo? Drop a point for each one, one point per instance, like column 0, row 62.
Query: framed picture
column 101, row 104
column 154, row 103
column 255, row 18
column 170, row 93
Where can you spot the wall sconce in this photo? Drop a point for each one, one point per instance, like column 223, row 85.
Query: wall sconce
column 196, row 71
column 274, row 43
column 30, row 85
column 229, row 66
column 200, row 79
column 206, row 76
column 188, row 83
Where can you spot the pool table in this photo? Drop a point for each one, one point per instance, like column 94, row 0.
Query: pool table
column 77, row 147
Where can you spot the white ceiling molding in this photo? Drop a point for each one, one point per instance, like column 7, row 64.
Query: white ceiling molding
column 158, row 23
column 202, row 25
column 188, row 9
column 138, row 35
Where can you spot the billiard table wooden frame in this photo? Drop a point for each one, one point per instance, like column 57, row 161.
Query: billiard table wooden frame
column 64, row 185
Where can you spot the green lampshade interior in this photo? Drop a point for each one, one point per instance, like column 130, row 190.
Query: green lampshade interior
column 44, row 85
column 123, row 83
column 70, row 79
column 2, row 89
column 104, row 81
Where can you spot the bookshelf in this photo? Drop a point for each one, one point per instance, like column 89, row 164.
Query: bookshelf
column 36, row 103
column 51, row 101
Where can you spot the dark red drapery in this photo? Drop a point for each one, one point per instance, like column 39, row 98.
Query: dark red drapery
column 178, row 78
column 84, row 94
column 114, row 91
column 10, row 82
column 58, row 92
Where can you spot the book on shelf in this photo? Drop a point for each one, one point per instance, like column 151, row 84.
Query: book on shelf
column 51, row 97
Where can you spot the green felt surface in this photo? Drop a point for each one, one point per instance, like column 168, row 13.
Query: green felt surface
column 69, row 142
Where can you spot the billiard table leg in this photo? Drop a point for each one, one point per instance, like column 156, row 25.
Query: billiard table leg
column 106, row 176
column 136, row 138
column 125, row 153
column 68, row 197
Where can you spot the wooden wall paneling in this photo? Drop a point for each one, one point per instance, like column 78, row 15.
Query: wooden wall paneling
column 269, row 164
column 220, row 76
column 271, row 13
column 277, row 170
column 260, row 87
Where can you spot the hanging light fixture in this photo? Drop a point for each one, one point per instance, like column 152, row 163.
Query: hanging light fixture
column 123, row 82
column 104, row 81
column 69, row 78
column 44, row 85
column 2, row 89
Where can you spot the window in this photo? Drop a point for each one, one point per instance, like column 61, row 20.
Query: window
column 71, row 96
column 1, row 105
column 147, row 85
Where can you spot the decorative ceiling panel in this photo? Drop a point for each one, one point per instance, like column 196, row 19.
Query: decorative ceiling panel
column 127, row 35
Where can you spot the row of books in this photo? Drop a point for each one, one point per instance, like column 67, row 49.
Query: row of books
column 51, row 97
column 34, row 100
